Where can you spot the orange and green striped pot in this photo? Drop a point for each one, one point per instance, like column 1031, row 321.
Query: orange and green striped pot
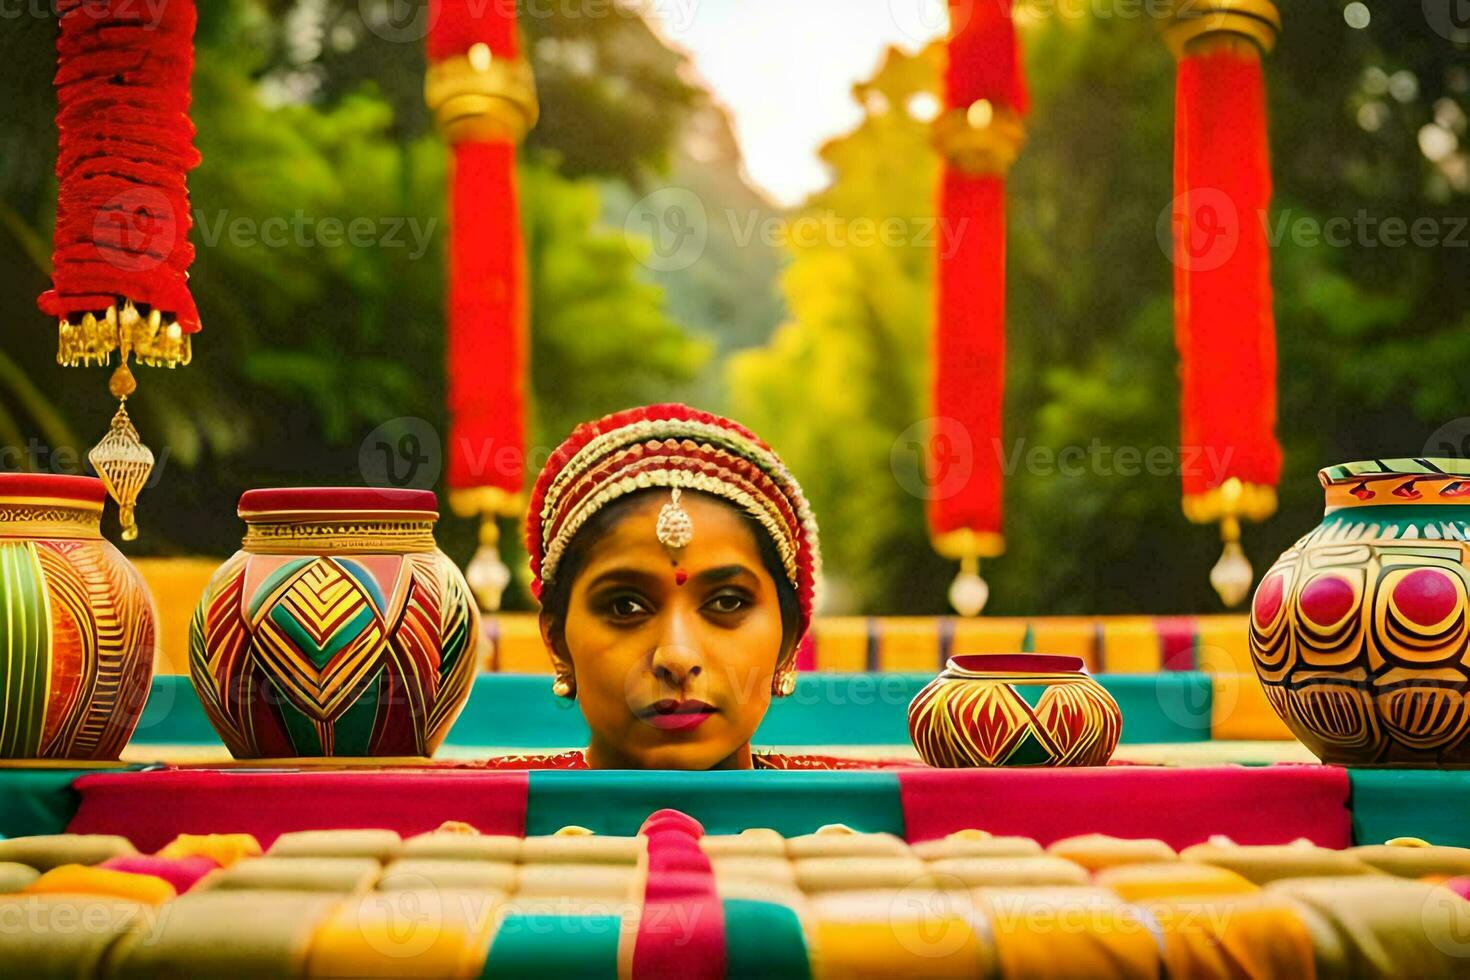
column 77, row 621
column 1023, row 709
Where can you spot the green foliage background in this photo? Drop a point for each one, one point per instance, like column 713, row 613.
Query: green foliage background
column 308, row 110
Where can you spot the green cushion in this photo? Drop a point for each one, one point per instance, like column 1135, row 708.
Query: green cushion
column 764, row 940
column 791, row 803
column 536, row 947
column 1426, row 803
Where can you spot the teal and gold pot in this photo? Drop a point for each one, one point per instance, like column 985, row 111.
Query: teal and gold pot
column 1359, row 632
column 1021, row 709
column 77, row 622
column 338, row 629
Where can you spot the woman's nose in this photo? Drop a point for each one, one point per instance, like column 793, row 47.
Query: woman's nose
column 676, row 659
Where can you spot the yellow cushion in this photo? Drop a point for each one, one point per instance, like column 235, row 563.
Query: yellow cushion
column 587, row 880
column 1139, row 882
column 753, row 842
column 1233, row 936
column 225, row 934
column 65, row 935
column 1097, row 851
column 1382, row 926
column 1415, row 862
column 1052, row 933
column 322, row 874
column 419, row 874
column 895, row 933
column 48, row 851
column 1041, row 869
column 433, row 932
column 839, row 841
column 14, row 877
column 380, row 845
column 440, row 845
column 818, row 874
column 582, row 849
column 975, row 843
column 773, row 869
column 222, row 849
column 1262, row 864
column 77, row 879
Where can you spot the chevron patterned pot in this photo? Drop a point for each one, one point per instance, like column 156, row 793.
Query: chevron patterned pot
column 338, row 629
column 78, row 624
column 1359, row 631
column 1023, row 709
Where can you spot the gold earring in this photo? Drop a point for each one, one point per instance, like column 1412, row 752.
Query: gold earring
column 784, row 684
column 562, row 687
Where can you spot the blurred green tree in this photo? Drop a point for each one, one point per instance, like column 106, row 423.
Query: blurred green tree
column 311, row 125
column 1373, row 338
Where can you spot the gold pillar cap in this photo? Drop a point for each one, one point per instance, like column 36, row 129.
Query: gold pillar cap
column 1191, row 22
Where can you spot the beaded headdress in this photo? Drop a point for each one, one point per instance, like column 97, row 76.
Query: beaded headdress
column 675, row 447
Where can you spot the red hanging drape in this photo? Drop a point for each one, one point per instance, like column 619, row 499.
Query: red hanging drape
column 978, row 135
column 475, row 50
column 125, row 146
column 1224, row 326
column 484, row 100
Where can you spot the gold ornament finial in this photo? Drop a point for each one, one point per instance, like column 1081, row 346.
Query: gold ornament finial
column 674, row 528
column 486, row 573
column 969, row 593
column 122, row 461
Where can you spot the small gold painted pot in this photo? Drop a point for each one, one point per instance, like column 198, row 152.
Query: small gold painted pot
column 1022, row 709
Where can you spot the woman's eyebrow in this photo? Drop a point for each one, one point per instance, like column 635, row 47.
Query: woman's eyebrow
column 634, row 576
column 719, row 574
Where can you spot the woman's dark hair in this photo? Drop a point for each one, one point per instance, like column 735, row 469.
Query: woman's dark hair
column 557, row 594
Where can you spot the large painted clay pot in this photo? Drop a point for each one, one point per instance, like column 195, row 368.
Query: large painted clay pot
column 339, row 628
column 77, row 624
column 1359, row 631
column 1023, row 709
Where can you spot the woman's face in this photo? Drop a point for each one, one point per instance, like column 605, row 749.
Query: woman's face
column 673, row 654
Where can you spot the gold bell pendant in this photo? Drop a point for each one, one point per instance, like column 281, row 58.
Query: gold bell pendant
column 121, row 460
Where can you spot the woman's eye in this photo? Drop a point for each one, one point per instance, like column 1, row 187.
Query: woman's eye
column 727, row 602
column 627, row 607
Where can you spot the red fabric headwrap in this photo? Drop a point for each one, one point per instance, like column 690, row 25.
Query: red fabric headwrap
column 666, row 446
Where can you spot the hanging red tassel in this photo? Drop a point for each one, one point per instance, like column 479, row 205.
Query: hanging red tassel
column 120, row 265
column 1224, row 326
column 979, row 136
column 483, row 97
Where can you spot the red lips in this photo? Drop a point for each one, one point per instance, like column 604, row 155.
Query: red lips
column 674, row 716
